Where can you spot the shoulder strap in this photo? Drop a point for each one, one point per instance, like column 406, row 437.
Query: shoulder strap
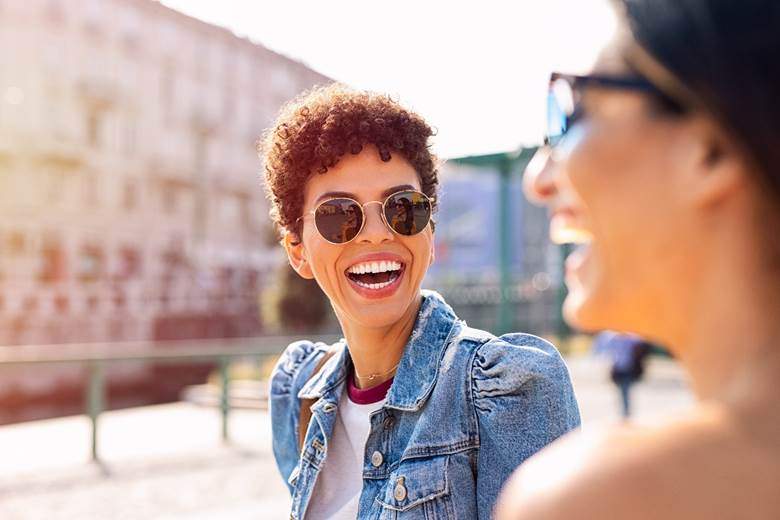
column 305, row 415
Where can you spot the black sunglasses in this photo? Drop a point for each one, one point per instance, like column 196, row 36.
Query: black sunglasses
column 565, row 92
column 340, row 220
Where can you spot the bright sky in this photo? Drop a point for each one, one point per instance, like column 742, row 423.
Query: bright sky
column 477, row 71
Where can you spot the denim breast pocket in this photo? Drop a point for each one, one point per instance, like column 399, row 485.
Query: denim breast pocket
column 418, row 489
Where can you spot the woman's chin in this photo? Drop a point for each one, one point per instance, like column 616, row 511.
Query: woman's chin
column 380, row 313
column 581, row 312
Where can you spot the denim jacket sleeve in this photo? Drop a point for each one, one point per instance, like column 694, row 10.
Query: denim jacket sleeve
column 291, row 372
column 524, row 400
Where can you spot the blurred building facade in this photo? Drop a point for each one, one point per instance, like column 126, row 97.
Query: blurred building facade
column 130, row 198
column 467, row 266
column 129, row 171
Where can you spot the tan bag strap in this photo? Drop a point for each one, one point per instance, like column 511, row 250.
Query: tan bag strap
column 306, row 404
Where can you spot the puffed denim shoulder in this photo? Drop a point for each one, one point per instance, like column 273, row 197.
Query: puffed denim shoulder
column 294, row 367
column 464, row 410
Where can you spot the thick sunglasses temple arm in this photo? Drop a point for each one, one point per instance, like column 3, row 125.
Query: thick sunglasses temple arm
column 631, row 83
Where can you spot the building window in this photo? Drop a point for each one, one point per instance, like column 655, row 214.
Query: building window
column 129, row 137
column 16, row 243
column 91, row 189
column 55, row 13
column 170, row 198
column 61, row 303
column 130, row 196
column 129, row 263
column 55, row 187
column 53, row 262
column 168, row 92
column 94, row 129
column 131, row 44
column 90, row 266
column 94, row 16
column 231, row 209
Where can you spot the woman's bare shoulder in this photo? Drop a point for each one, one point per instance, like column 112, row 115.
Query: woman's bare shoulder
column 573, row 475
column 696, row 468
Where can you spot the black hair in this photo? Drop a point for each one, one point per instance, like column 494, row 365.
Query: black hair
column 727, row 53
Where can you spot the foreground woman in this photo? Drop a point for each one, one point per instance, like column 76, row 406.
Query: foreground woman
column 413, row 414
column 669, row 171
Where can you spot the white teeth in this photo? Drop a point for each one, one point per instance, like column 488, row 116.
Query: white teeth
column 374, row 267
column 569, row 235
column 375, row 286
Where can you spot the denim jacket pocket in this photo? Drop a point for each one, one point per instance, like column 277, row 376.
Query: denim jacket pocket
column 418, row 489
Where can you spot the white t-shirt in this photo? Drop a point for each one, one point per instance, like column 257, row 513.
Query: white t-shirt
column 336, row 494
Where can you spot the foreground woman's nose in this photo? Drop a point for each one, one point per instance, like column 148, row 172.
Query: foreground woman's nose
column 538, row 178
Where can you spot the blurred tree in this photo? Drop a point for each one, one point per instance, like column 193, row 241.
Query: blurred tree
column 293, row 304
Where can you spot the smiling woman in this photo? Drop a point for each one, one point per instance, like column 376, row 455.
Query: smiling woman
column 664, row 167
column 413, row 414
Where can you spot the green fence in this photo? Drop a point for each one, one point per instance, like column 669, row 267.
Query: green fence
column 96, row 356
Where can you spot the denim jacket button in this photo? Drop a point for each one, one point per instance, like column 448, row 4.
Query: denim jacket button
column 328, row 407
column 388, row 422
column 377, row 459
column 399, row 493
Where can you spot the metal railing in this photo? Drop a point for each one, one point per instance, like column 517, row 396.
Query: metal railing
column 95, row 356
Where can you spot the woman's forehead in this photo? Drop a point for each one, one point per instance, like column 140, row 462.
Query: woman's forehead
column 364, row 175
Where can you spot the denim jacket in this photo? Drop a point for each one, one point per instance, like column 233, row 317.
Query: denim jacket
column 465, row 408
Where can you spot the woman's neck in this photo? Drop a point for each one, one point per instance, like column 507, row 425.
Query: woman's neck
column 376, row 351
column 731, row 347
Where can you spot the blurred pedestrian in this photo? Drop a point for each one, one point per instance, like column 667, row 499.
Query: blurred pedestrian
column 628, row 359
column 413, row 414
column 664, row 161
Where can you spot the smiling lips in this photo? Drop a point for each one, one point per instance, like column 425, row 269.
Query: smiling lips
column 375, row 275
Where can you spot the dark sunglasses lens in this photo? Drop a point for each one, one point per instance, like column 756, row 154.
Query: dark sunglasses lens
column 338, row 220
column 408, row 212
column 560, row 106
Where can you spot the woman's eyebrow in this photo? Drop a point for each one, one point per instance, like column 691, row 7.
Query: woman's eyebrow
column 333, row 195
column 396, row 189
column 386, row 193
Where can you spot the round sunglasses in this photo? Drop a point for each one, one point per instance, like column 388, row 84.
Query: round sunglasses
column 340, row 220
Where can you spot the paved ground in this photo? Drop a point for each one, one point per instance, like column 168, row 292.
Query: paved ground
column 167, row 462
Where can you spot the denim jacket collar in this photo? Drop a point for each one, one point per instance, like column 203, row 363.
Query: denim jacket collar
column 419, row 364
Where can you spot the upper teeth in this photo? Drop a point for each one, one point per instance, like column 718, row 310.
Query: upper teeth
column 374, row 267
column 570, row 235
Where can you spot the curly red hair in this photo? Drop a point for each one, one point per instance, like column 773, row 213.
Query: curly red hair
column 316, row 129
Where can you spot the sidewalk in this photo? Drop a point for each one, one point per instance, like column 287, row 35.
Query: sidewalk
column 168, row 461
column 165, row 462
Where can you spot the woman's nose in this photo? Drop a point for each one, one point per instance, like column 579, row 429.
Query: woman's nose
column 374, row 231
column 539, row 177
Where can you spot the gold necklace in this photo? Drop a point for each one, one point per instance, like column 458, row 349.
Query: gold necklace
column 374, row 376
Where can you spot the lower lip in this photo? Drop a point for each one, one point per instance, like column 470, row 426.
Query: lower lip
column 376, row 294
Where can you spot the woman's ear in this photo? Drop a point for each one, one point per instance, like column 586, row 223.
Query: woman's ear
column 717, row 167
column 297, row 255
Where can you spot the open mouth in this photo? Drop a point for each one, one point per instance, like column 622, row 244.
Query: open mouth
column 375, row 275
column 567, row 226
